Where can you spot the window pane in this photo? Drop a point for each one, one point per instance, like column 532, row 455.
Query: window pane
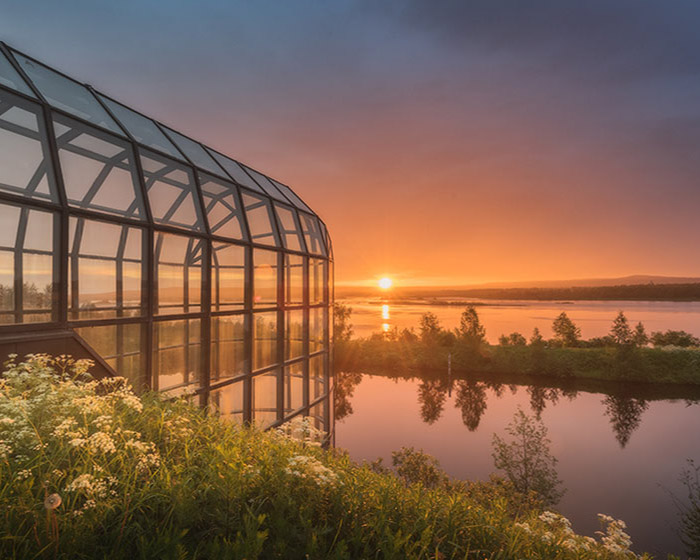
column 317, row 377
column 143, row 129
column 104, row 270
column 264, row 278
column 317, row 328
column 291, row 233
column 265, row 183
column 260, row 220
column 25, row 165
column 265, row 399
column 177, row 353
column 228, row 277
column 317, row 281
column 234, row 169
column 27, row 260
column 9, row 77
column 294, row 334
column 293, row 387
column 265, row 340
column 312, row 234
column 294, row 279
column 171, row 192
column 194, row 152
column 121, row 346
column 222, row 207
column 291, row 195
column 178, row 273
column 228, row 402
column 227, row 347
column 98, row 172
column 70, row 96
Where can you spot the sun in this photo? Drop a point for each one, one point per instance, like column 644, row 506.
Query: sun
column 385, row 283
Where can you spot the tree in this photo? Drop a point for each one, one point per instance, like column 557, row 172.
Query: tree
column 513, row 339
column 536, row 338
column 620, row 331
column 417, row 467
column 565, row 331
column 342, row 327
column 674, row 338
column 639, row 336
column 470, row 328
column 526, row 458
column 429, row 328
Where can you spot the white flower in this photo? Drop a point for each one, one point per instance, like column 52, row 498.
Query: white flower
column 52, row 501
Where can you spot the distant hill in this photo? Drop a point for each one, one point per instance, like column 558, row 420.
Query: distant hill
column 587, row 282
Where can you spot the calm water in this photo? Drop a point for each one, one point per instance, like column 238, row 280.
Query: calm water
column 505, row 317
column 621, row 449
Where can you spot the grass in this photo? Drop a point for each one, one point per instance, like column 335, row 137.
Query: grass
column 89, row 470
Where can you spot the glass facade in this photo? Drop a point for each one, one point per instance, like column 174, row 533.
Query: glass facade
column 168, row 262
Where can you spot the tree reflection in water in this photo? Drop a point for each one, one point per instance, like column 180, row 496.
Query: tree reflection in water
column 431, row 396
column 345, row 383
column 625, row 415
column 471, row 400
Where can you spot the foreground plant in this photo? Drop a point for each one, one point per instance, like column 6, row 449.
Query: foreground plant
column 89, row 470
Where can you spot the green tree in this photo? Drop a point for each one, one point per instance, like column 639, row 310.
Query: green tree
column 526, row 459
column 565, row 331
column 418, row 467
column 470, row 328
column 342, row 327
column 620, row 331
column 429, row 328
column 536, row 338
column 639, row 336
column 674, row 338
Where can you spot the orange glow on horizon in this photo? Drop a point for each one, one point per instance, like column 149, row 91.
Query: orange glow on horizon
column 385, row 283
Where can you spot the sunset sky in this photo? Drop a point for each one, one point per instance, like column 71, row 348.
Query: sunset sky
column 441, row 142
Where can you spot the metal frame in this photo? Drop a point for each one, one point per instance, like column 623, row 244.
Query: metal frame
column 65, row 301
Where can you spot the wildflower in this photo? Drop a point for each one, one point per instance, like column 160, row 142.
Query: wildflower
column 306, row 467
column 100, row 442
column 23, row 474
column 52, row 501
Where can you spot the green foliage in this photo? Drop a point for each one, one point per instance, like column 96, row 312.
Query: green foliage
column 680, row 339
column 639, row 336
column 526, row 458
column 342, row 327
column 566, row 333
column 417, row 467
column 513, row 339
column 536, row 340
column 470, row 329
column 620, row 331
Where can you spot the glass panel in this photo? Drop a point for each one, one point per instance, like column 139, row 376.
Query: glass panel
column 104, row 270
column 317, row 377
column 194, row 152
column 291, row 233
column 264, row 278
column 293, row 280
column 178, row 262
column 312, row 234
column 234, row 169
column 318, row 414
column 26, row 260
column 228, row 402
column 222, row 207
column 171, row 192
column 143, row 129
column 317, row 329
column 228, row 277
column 9, row 77
column 265, row 340
column 65, row 94
column 265, row 183
column 294, row 334
column 265, row 399
column 291, row 195
column 260, row 219
column 293, row 387
column 98, row 172
column 121, row 346
column 176, row 355
column 25, row 165
column 317, row 281
column 227, row 347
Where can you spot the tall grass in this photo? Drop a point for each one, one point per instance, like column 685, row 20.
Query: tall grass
column 89, row 470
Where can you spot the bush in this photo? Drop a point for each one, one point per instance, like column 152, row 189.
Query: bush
column 89, row 470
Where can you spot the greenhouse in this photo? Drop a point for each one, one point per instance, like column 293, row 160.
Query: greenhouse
column 161, row 259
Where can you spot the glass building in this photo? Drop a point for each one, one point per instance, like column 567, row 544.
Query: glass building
column 163, row 260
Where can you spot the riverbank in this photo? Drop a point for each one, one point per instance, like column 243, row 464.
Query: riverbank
column 88, row 470
column 668, row 365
